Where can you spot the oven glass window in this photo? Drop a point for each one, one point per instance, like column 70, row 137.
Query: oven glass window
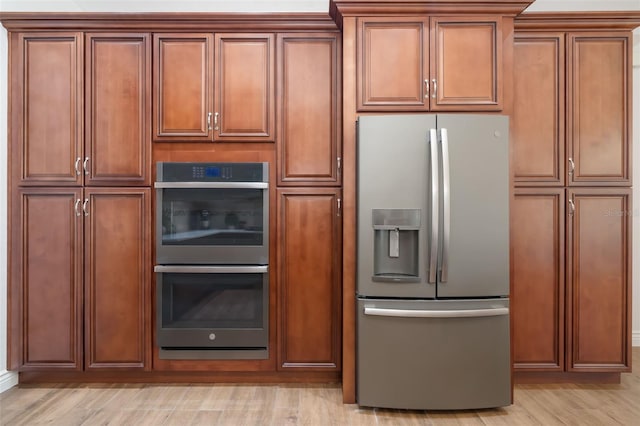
column 212, row 300
column 212, row 217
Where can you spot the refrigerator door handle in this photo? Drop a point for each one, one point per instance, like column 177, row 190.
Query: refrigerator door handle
column 446, row 207
column 414, row 313
column 435, row 220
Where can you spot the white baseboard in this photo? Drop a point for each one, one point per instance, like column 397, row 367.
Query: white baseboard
column 8, row 379
column 635, row 338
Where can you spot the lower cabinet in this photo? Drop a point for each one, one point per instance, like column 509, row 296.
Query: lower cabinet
column 80, row 298
column 309, row 286
column 571, row 309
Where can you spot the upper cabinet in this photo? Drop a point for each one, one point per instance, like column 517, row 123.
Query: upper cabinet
column 214, row 87
column 47, row 99
column 118, row 109
column 598, row 119
column 581, row 139
column 437, row 64
column 76, row 128
column 308, row 146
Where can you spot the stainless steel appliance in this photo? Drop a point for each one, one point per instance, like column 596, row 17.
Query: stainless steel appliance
column 212, row 253
column 433, row 262
column 212, row 213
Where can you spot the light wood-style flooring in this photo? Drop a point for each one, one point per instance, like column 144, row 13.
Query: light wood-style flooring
column 314, row 405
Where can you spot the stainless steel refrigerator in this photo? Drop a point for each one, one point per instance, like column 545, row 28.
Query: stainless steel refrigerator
column 433, row 261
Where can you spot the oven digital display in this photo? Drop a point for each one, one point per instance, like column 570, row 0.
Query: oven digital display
column 212, row 172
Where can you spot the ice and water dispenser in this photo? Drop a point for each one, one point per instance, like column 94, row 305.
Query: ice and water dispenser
column 396, row 241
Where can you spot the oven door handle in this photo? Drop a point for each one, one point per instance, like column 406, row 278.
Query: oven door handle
column 213, row 185
column 240, row 269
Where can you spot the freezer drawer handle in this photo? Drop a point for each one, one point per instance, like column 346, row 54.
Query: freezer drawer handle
column 412, row 313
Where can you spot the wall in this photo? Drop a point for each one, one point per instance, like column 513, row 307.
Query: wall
column 8, row 379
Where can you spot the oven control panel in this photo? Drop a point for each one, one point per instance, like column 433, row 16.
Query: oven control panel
column 213, row 172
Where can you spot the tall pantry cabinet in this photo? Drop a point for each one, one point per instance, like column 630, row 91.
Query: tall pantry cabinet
column 80, row 204
column 571, row 216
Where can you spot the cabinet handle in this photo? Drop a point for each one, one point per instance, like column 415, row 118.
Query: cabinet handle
column 572, row 166
column 572, row 207
column 426, row 87
column 339, row 206
column 339, row 167
column 215, row 121
column 77, row 166
column 435, row 88
column 84, row 166
column 85, row 207
column 209, row 121
column 76, row 205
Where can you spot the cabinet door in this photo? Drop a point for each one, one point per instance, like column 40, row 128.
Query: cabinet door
column 118, row 101
column 466, row 63
column 182, row 87
column 537, row 124
column 393, row 64
column 598, row 110
column 245, row 92
column 46, row 327
column 47, row 101
column 537, row 296
column 117, row 278
column 599, row 280
column 309, row 259
column 308, row 147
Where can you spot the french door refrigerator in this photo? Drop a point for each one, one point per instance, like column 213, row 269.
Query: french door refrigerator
column 433, row 262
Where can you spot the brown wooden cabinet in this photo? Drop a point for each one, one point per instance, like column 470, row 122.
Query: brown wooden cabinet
column 538, row 291
column 308, row 147
column 580, row 139
column 84, row 284
column 47, row 98
column 599, row 280
column 214, row 87
column 118, row 109
column 598, row 108
column 55, row 148
column 439, row 63
column 538, row 119
column 309, row 256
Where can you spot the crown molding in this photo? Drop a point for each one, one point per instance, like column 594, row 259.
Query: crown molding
column 168, row 21
column 603, row 20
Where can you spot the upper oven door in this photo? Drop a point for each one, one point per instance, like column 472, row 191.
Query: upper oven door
column 212, row 213
column 212, row 223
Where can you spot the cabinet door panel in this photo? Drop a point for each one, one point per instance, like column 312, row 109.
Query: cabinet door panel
column 117, row 278
column 537, row 297
column 49, row 101
column 537, row 125
column 466, row 63
column 599, row 109
column 118, row 112
column 309, row 247
column 308, row 147
column 183, row 87
column 245, row 93
column 598, row 273
column 50, row 259
column 393, row 64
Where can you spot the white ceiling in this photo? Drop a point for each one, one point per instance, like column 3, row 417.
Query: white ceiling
column 256, row 5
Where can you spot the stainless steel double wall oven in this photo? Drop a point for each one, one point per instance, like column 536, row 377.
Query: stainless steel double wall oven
column 212, row 260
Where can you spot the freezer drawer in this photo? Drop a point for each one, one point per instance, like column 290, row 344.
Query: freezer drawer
column 439, row 355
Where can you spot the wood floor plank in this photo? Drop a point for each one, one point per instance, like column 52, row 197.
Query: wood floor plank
column 305, row 404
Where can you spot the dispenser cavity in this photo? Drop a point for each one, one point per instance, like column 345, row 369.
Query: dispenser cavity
column 396, row 245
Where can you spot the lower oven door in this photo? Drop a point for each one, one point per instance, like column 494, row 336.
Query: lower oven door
column 212, row 312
